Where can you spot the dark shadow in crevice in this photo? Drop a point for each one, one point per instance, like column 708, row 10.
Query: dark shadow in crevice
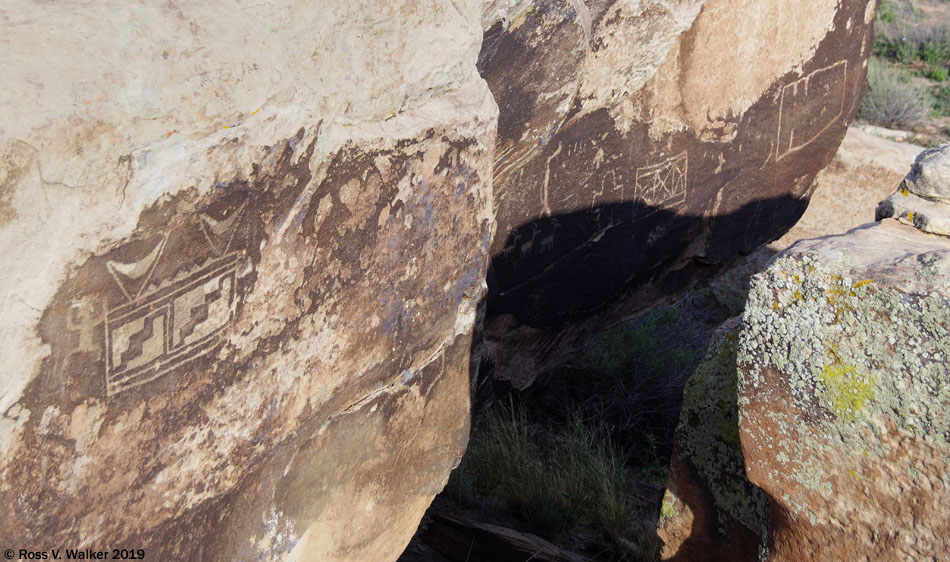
column 578, row 269
column 563, row 278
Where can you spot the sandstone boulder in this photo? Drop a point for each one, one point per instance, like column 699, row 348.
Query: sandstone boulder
column 242, row 248
column 710, row 511
column 663, row 139
column 923, row 198
column 844, row 396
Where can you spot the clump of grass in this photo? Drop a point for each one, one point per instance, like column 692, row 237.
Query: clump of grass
column 906, row 51
column 886, row 13
column 539, row 463
column 936, row 73
column 941, row 100
column 554, row 477
column 935, row 52
column 889, row 102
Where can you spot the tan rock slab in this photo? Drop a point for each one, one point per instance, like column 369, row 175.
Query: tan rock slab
column 844, row 395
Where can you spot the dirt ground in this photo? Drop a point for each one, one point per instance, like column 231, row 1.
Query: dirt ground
column 865, row 171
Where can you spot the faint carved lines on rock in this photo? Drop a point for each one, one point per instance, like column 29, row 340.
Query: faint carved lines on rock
column 809, row 106
column 515, row 236
column 547, row 242
column 607, row 179
column 222, row 231
column 545, row 187
column 133, row 277
column 662, row 185
column 526, row 246
column 161, row 328
column 81, row 319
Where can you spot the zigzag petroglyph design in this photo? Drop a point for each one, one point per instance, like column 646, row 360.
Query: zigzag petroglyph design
column 161, row 328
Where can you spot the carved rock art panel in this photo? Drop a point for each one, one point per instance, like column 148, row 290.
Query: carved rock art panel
column 663, row 184
column 809, row 106
column 160, row 300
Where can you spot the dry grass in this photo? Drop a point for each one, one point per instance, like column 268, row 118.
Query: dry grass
column 891, row 101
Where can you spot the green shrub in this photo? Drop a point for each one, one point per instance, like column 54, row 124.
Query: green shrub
column 889, row 102
column 886, row 14
column 935, row 52
column 882, row 48
column 941, row 100
column 906, row 51
column 936, row 73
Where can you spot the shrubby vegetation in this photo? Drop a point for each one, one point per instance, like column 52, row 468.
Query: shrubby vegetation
column 581, row 457
column 890, row 100
column 910, row 64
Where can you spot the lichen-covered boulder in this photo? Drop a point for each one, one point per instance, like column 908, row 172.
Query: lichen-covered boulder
column 844, row 396
column 923, row 198
column 241, row 250
column 663, row 139
column 710, row 511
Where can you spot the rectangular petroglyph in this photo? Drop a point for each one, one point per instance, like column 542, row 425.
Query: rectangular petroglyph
column 662, row 185
column 161, row 330
column 809, row 106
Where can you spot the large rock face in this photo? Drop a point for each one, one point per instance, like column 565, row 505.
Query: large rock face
column 658, row 143
column 244, row 246
column 242, row 250
column 710, row 511
column 844, row 396
column 841, row 389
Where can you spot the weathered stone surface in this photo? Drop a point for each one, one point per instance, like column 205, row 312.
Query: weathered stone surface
column 242, row 248
column 710, row 511
column 844, row 396
column 923, row 198
column 685, row 143
column 847, row 192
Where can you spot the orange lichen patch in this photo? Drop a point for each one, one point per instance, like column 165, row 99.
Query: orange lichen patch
column 170, row 133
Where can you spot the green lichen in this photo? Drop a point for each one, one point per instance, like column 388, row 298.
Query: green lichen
column 846, row 391
column 708, row 434
column 822, row 334
column 667, row 508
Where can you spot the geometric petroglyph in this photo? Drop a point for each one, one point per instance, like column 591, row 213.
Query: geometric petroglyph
column 172, row 324
column 809, row 106
column 81, row 319
column 149, row 337
column 662, row 185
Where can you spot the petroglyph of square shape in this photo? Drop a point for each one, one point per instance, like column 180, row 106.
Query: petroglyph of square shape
column 178, row 323
column 201, row 311
column 809, row 106
column 139, row 340
column 662, row 185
